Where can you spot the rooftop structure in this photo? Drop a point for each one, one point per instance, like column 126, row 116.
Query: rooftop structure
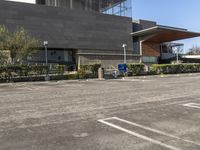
column 112, row 7
column 155, row 42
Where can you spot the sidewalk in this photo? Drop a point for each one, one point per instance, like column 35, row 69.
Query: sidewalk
column 163, row 76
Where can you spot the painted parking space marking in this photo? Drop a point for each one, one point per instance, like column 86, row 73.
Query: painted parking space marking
column 192, row 105
column 136, row 134
column 106, row 122
column 156, row 131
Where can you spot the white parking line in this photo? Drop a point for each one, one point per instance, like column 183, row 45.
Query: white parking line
column 105, row 121
column 139, row 135
column 156, row 131
column 192, row 105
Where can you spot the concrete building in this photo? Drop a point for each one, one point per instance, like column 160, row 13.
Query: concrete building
column 156, row 42
column 89, row 31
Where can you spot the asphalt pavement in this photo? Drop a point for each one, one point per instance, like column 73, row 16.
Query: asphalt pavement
column 140, row 113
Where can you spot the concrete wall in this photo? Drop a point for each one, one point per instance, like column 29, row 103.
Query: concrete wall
column 70, row 29
column 107, row 61
column 143, row 24
column 105, row 57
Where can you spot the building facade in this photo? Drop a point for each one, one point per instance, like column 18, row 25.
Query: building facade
column 83, row 32
column 156, row 42
column 112, row 7
column 75, row 36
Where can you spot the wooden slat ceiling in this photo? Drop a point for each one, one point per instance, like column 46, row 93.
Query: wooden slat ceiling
column 171, row 35
column 162, row 34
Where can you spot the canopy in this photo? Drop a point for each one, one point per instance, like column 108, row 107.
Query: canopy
column 161, row 34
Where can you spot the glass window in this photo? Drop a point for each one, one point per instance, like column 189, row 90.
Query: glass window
column 136, row 46
column 116, row 7
column 112, row 7
column 149, row 59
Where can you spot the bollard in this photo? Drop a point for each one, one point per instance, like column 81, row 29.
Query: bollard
column 101, row 73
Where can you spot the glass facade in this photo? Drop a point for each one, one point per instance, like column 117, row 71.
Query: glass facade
column 112, row 7
column 136, row 46
column 149, row 59
column 120, row 8
column 171, row 47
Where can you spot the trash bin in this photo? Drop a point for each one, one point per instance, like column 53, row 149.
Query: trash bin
column 101, row 73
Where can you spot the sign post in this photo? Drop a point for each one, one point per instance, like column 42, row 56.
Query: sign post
column 122, row 68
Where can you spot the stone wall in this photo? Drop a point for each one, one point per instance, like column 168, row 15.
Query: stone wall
column 66, row 28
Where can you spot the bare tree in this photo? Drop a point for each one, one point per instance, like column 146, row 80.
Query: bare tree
column 195, row 50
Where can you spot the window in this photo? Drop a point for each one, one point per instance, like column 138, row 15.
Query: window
column 119, row 8
column 149, row 59
column 112, row 7
column 136, row 46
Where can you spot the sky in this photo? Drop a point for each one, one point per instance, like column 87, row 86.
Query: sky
column 177, row 13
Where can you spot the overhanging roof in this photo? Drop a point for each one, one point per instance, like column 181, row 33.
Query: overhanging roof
column 162, row 34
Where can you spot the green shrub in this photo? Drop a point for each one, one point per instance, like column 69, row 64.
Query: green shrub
column 91, row 69
column 22, row 70
column 81, row 74
column 136, row 69
column 71, row 76
column 174, row 68
column 58, row 69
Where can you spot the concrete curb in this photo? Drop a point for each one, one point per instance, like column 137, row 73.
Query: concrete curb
column 163, row 76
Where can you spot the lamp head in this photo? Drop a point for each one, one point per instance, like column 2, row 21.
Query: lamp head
column 124, row 45
column 45, row 43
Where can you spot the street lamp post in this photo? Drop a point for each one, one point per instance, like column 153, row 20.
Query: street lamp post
column 46, row 59
column 46, row 53
column 124, row 46
column 177, row 61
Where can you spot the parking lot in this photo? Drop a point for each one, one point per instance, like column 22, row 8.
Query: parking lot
column 150, row 113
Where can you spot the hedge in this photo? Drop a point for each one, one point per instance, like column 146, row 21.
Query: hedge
column 37, row 72
column 89, row 71
column 57, row 69
column 22, row 70
column 136, row 69
column 64, row 77
column 174, row 68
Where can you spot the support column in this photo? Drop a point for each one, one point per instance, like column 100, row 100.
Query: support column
column 141, row 51
column 71, row 4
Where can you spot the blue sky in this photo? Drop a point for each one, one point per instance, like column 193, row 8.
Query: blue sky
column 178, row 13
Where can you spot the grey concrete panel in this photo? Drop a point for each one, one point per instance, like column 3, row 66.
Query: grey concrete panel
column 65, row 28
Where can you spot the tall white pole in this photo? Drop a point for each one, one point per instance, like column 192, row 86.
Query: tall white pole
column 124, row 46
column 46, row 52
column 124, row 55
column 71, row 4
column 177, row 56
column 46, row 55
column 46, row 59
